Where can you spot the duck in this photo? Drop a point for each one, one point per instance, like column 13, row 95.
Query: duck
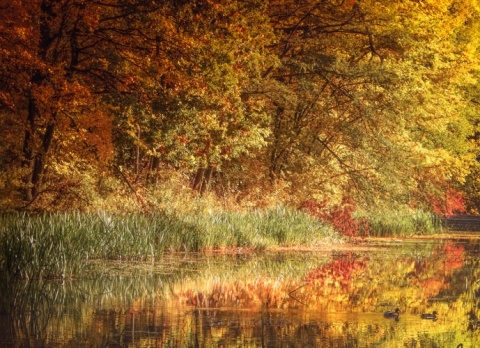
column 391, row 314
column 431, row 316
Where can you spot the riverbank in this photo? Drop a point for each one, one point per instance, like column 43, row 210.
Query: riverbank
column 59, row 245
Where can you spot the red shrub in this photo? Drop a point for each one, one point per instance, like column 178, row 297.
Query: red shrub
column 453, row 203
column 340, row 217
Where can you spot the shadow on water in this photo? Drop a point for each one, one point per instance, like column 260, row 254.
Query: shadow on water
column 332, row 298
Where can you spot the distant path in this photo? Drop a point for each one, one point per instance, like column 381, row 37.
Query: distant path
column 462, row 223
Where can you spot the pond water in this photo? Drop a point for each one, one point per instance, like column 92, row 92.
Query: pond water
column 330, row 297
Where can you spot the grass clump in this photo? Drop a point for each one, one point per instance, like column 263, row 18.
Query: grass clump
column 401, row 222
column 52, row 245
column 260, row 229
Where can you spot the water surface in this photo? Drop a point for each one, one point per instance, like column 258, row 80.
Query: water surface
column 331, row 297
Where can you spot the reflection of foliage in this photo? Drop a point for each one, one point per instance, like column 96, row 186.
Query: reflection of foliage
column 347, row 280
column 339, row 273
column 454, row 255
column 431, row 278
column 220, row 298
column 244, row 294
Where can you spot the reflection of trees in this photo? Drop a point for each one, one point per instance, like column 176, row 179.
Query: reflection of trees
column 408, row 280
column 248, row 301
column 464, row 289
column 339, row 273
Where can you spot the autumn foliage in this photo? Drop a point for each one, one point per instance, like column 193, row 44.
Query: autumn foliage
column 340, row 216
column 453, row 203
column 346, row 103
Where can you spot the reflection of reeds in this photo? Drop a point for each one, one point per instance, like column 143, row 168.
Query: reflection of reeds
column 190, row 293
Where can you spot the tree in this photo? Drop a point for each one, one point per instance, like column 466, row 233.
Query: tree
column 333, row 101
column 63, row 60
column 366, row 100
column 216, row 116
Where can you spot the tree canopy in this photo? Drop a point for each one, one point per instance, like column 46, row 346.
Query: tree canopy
column 326, row 101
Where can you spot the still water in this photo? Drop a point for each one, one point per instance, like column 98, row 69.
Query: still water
column 330, row 297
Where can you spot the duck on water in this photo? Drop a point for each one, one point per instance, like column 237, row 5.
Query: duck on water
column 391, row 314
column 431, row 316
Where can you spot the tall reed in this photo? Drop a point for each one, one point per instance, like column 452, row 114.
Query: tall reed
column 60, row 244
column 402, row 223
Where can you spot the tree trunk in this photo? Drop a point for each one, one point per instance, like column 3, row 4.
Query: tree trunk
column 202, row 179
column 32, row 160
column 39, row 162
column 28, row 146
column 197, row 183
column 29, row 138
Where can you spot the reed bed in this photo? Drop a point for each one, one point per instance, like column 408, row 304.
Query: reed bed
column 59, row 245
column 402, row 223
